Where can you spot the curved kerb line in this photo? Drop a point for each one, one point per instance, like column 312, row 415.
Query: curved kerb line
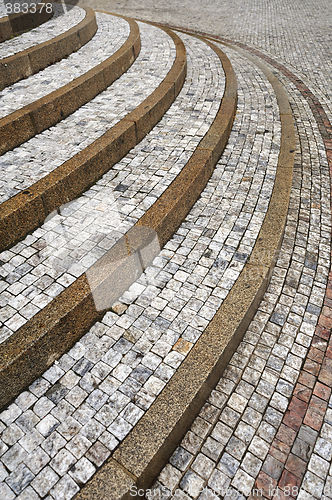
column 34, row 59
column 30, row 120
column 145, row 451
column 55, row 329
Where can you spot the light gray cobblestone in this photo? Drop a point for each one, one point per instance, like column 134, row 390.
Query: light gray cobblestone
column 294, row 33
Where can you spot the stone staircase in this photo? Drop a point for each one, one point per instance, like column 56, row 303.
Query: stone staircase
column 145, row 180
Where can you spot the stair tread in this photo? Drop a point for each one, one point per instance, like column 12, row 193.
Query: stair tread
column 146, row 172
column 59, row 24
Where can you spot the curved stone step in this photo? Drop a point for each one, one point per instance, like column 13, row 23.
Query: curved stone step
column 30, row 120
column 112, row 481
column 77, row 303
column 28, row 210
column 15, row 24
column 30, row 54
column 43, row 449
column 148, row 446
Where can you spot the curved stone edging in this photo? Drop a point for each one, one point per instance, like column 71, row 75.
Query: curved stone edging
column 141, row 456
column 20, row 126
column 28, row 209
column 30, row 61
column 55, row 329
column 15, row 24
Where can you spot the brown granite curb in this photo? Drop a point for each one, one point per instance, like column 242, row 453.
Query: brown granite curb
column 30, row 61
column 15, row 24
column 54, row 330
column 141, row 456
column 25, row 123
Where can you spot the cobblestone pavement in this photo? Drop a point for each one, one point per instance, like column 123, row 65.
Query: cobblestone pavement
column 259, row 428
column 268, row 423
column 28, row 163
column 86, row 403
column 57, row 25
column 266, row 429
column 111, row 34
column 57, row 253
column 297, row 32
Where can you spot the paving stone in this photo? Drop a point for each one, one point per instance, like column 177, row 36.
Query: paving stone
column 44, row 481
column 170, row 477
column 219, row 482
column 82, row 471
column 243, row 482
column 181, row 459
column 64, row 489
column 252, row 465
